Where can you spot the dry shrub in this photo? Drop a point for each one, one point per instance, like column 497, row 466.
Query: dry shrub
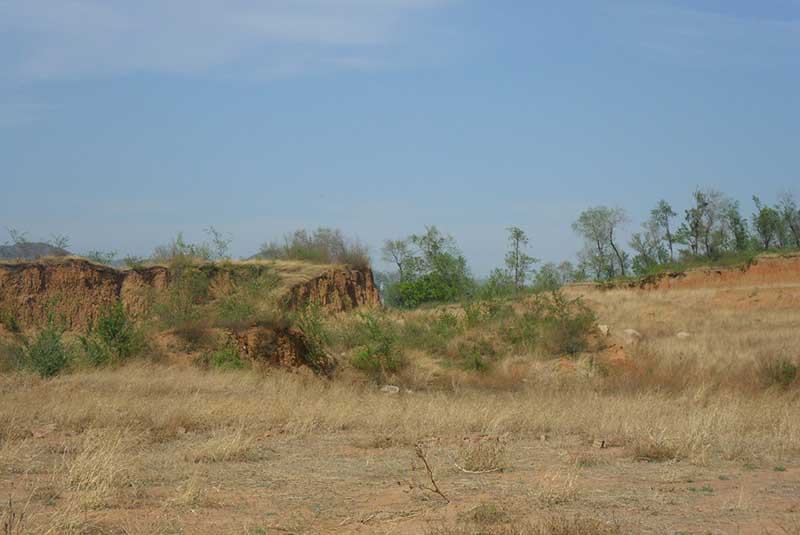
column 557, row 487
column 482, row 456
column 653, row 448
column 193, row 492
column 100, row 468
column 551, row 525
column 228, row 445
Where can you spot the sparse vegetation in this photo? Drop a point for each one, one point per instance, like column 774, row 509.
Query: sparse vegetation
column 322, row 246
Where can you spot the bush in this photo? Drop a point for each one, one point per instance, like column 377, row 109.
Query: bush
column 322, row 246
column 114, row 339
column 776, row 371
column 227, row 358
column 10, row 321
column 250, row 301
column 554, row 323
column 380, row 355
column 317, row 338
column 567, row 325
column 188, row 288
column 45, row 353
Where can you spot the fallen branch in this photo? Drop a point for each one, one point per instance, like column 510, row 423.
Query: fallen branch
column 424, row 458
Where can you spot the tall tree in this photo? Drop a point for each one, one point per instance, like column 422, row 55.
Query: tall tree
column 399, row 253
column 767, row 223
column 661, row 216
column 790, row 215
column 518, row 263
column 598, row 226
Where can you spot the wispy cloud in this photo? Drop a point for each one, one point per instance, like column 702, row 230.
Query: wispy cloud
column 691, row 34
column 72, row 38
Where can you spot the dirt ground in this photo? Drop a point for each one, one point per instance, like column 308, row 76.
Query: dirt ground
column 154, row 449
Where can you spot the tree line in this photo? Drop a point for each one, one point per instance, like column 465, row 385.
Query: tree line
column 712, row 228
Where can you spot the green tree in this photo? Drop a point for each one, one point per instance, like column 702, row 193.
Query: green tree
column 790, row 215
column 598, row 226
column 401, row 254
column 649, row 247
column 518, row 263
column 767, row 224
column 661, row 216
column 437, row 270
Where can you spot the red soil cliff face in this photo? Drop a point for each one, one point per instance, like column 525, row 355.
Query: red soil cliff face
column 766, row 271
column 771, row 281
column 338, row 290
column 77, row 290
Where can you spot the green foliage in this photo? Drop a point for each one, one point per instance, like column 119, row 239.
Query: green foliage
column 554, row 323
column 322, row 246
column 776, row 371
column 9, row 320
column 45, row 353
column 317, row 338
column 102, row 257
column 188, row 288
column 115, row 338
column 518, row 264
column 250, row 300
column 134, row 262
column 768, row 224
column 179, row 252
column 433, row 270
column 602, row 254
column 380, row 354
column 473, row 354
column 227, row 358
column 566, row 325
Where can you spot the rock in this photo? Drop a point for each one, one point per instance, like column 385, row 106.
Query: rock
column 604, row 330
column 390, row 389
column 683, row 335
column 599, row 444
column 631, row 336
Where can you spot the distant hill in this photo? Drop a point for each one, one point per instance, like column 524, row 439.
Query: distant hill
column 30, row 251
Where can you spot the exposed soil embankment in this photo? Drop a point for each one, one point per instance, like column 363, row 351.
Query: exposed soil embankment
column 764, row 271
column 338, row 290
column 77, row 290
column 73, row 289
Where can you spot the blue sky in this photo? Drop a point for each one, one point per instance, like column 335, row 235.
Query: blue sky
column 123, row 123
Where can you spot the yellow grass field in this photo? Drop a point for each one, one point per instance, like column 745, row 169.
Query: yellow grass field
column 685, row 435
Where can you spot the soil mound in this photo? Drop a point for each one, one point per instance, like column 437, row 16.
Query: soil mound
column 77, row 290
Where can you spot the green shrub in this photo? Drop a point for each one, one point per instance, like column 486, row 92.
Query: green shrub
column 553, row 323
column 322, row 246
column 114, row 339
column 777, row 371
column 567, row 325
column 380, row 355
column 180, row 304
column 317, row 338
column 10, row 321
column 251, row 301
column 473, row 354
column 45, row 353
column 227, row 358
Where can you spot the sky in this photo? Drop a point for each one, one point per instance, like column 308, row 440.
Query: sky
column 123, row 123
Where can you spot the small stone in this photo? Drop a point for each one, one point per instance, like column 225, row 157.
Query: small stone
column 631, row 335
column 390, row 389
column 599, row 444
column 683, row 335
column 604, row 330
column 543, row 438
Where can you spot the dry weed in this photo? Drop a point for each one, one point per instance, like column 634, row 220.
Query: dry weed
column 229, row 445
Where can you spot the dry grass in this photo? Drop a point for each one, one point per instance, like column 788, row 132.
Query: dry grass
column 131, row 446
